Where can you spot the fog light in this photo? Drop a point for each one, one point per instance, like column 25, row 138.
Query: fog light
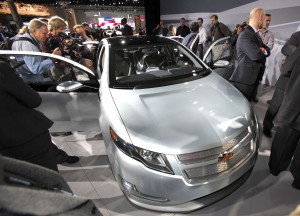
column 130, row 188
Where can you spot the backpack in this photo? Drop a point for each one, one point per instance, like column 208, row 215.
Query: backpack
column 7, row 44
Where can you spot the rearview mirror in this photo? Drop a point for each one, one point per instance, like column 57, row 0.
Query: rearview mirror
column 221, row 64
column 68, row 86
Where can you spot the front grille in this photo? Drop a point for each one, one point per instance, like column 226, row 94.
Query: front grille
column 239, row 155
column 199, row 165
column 209, row 154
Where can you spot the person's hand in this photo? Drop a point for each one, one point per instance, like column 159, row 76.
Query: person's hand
column 57, row 52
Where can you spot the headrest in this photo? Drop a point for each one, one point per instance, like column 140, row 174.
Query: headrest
column 119, row 55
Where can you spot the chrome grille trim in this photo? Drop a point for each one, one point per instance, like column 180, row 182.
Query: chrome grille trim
column 240, row 154
column 206, row 155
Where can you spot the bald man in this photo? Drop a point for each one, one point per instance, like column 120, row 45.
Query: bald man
column 251, row 56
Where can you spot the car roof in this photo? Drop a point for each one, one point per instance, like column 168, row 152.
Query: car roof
column 116, row 42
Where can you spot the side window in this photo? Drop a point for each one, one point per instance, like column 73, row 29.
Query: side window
column 221, row 49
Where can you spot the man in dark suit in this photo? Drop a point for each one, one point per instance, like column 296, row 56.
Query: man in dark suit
column 251, row 54
column 127, row 30
column 285, row 147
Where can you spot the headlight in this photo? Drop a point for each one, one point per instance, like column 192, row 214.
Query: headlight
column 152, row 160
column 253, row 124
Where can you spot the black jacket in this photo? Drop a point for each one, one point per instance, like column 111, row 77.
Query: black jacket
column 289, row 111
column 182, row 31
column 20, row 122
column 251, row 61
column 127, row 30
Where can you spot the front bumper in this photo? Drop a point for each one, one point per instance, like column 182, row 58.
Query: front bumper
column 173, row 193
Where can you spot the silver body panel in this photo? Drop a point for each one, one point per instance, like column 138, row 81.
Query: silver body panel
column 177, row 119
column 74, row 111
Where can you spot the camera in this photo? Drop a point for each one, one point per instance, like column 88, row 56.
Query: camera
column 68, row 46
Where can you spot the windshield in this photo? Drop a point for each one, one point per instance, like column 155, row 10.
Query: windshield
column 153, row 65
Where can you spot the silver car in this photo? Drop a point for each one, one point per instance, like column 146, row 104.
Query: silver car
column 178, row 136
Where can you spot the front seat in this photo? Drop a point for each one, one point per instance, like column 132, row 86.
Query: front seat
column 149, row 58
column 122, row 64
column 154, row 60
column 138, row 58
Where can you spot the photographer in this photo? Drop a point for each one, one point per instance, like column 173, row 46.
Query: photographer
column 87, row 30
column 56, row 27
column 69, row 46
column 80, row 33
column 35, row 67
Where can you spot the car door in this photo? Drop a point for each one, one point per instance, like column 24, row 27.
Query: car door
column 72, row 111
column 223, row 63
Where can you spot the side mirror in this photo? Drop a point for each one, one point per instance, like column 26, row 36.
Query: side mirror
column 221, row 64
column 68, row 86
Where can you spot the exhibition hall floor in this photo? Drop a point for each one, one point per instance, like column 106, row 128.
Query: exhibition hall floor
column 262, row 194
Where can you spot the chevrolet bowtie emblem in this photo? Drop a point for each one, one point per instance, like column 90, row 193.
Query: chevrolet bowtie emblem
column 225, row 157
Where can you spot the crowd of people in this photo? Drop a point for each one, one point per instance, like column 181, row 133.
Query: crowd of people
column 197, row 38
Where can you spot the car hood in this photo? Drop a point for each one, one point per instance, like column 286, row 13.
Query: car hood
column 183, row 118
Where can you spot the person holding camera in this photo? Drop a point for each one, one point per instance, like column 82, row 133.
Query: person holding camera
column 80, row 33
column 56, row 27
column 34, row 67
column 58, row 39
column 88, row 30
